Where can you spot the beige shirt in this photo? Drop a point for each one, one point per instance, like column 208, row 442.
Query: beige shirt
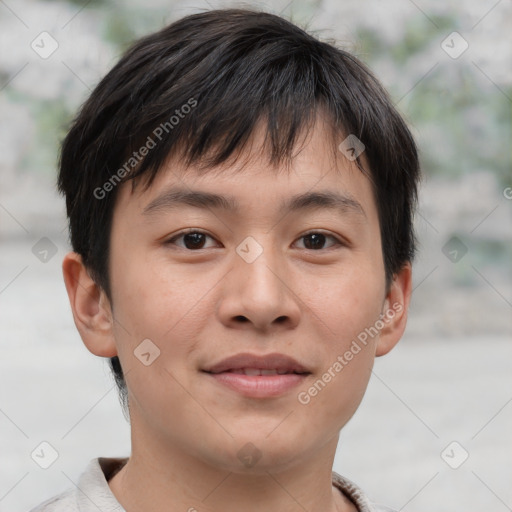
column 93, row 492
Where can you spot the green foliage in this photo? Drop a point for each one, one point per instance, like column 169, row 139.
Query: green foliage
column 119, row 30
column 464, row 120
column 81, row 3
column 122, row 27
column 52, row 118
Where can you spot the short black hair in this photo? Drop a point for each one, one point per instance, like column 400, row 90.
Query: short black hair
column 197, row 89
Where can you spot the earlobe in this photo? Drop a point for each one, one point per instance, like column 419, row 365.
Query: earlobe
column 394, row 312
column 91, row 309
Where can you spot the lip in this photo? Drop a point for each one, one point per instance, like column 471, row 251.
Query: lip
column 259, row 386
column 276, row 361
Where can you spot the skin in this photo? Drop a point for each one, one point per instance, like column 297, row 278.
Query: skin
column 202, row 305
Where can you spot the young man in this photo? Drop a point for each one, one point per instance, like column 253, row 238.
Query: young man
column 240, row 198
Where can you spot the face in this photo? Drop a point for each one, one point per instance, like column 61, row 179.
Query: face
column 288, row 265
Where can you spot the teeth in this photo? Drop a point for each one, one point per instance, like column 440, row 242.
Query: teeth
column 252, row 371
column 258, row 371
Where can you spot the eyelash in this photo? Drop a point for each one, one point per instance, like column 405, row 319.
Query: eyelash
column 198, row 231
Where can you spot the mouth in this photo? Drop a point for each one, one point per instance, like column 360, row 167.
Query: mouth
column 260, row 371
column 258, row 376
column 262, row 364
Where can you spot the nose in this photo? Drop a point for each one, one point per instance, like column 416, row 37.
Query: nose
column 260, row 295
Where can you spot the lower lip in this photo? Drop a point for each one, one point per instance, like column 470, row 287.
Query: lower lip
column 259, row 386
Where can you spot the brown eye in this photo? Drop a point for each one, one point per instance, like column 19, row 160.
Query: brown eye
column 192, row 240
column 315, row 240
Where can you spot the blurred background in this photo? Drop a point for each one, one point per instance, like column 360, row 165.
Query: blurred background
column 434, row 431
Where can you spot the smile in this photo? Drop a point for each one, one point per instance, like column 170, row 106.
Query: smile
column 258, row 383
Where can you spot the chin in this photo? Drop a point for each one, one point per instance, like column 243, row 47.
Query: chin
column 257, row 453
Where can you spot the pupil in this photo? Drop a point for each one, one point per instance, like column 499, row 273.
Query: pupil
column 193, row 239
column 318, row 241
column 196, row 240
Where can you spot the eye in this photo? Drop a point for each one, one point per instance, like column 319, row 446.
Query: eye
column 192, row 239
column 316, row 240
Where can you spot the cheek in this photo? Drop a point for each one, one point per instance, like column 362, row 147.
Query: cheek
column 333, row 396
column 153, row 303
column 345, row 305
column 344, row 311
column 157, row 302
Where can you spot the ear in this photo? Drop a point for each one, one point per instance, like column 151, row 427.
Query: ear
column 90, row 306
column 394, row 311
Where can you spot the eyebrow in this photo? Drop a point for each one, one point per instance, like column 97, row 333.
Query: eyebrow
column 325, row 199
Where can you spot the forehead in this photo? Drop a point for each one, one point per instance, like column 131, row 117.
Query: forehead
column 318, row 175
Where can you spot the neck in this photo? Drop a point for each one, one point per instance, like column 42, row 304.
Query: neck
column 158, row 480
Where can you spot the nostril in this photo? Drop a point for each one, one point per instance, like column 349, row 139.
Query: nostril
column 241, row 318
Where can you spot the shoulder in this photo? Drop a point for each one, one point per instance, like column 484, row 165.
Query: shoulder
column 64, row 502
column 92, row 492
column 356, row 495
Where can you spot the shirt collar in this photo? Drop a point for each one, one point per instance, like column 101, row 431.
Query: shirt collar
column 94, row 493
